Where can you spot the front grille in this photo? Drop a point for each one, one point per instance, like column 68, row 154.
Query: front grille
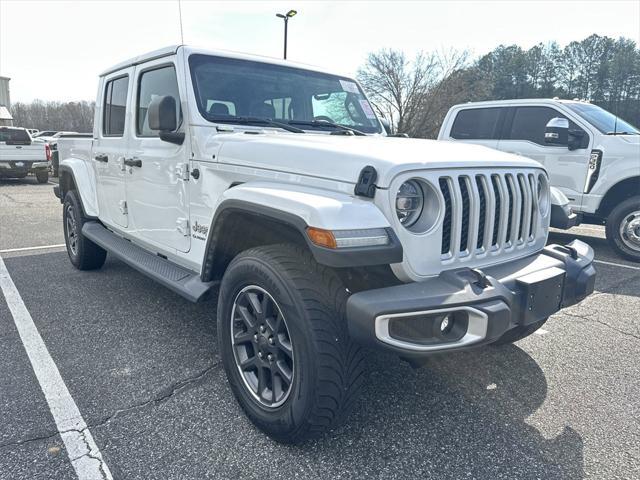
column 487, row 212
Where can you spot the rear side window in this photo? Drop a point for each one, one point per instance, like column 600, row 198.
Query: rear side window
column 14, row 136
column 115, row 106
column 476, row 124
column 152, row 83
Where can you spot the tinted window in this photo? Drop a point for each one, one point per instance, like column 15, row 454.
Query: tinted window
column 115, row 104
column 529, row 123
column 476, row 124
column 14, row 136
column 154, row 83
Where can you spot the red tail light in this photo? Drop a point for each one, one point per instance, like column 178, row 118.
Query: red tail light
column 47, row 150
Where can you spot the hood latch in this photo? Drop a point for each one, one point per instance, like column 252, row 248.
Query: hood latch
column 366, row 186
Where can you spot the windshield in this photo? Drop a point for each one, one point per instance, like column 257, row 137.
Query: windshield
column 226, row 87
column 601, row 119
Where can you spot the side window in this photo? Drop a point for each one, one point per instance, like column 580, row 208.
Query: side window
column 476, row 124
column 152, row 83
column 115, row 105
column 529, row 123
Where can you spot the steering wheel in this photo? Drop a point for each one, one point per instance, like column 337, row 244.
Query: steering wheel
column 323, row 118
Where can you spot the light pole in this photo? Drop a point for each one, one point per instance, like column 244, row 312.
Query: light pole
column 286, row 17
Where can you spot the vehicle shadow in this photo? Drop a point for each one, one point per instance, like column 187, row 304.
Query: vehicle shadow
column 465, row 415
column 28, row 180
column 462, row 416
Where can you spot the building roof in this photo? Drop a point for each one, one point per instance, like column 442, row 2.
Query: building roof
column 4, row 113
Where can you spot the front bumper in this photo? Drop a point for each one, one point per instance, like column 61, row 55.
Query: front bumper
column 481, row 305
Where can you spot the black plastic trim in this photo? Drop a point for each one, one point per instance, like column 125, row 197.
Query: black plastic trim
column 347, row 257
column 505, row 303
column 562, row 217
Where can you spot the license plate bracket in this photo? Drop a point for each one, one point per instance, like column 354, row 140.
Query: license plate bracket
column 541, row 294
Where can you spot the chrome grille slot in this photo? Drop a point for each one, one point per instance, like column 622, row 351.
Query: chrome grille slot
column 486, row 213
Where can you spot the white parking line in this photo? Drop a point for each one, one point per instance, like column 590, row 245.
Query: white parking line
column 81, row 448
column 25, row 249
column 616, row 264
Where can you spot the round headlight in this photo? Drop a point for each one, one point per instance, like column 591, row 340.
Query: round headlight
column 544, row 195
column 409, row 202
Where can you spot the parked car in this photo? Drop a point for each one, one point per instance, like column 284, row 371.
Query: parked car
column 45, row 133
column 276, row 182
column 591, row 155
column 32, row 131
column 55, row 159
column 19, row 155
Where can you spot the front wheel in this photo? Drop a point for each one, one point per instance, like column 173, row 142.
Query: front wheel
column 284, row 344
column 623, row 229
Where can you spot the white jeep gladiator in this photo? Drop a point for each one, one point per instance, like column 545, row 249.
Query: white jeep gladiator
column 274, row 185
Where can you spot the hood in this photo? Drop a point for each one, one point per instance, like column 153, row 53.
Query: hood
column 341, row 157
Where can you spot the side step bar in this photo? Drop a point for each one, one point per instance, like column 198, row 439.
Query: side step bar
column 182, row 281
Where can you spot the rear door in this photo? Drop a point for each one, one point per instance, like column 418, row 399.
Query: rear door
column 524, row 135
column 478, row 125
column 157, row 192
column 110, row 147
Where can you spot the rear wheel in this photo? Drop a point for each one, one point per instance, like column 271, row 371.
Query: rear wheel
column 623, row 229
column 83, row 253
column 518, row 333
column 42, row 176
column 284, row 344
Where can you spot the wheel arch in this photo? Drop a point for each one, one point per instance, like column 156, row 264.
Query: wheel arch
column 74, row 177
column 621, row 191
column 254, row 215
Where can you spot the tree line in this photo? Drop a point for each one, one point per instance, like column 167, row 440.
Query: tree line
column 60, row 116
column 416, row 94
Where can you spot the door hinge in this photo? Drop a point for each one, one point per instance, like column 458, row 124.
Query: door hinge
column 182, row 171
column 122, row 204
column 182, row 225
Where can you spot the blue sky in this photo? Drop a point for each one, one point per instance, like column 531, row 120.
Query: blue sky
column 54, row 50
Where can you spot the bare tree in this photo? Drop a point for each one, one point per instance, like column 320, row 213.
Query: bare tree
column 397, row 85
column 69, row 116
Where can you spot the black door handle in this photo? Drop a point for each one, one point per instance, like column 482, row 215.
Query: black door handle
column 101, row 158
column 133, row 162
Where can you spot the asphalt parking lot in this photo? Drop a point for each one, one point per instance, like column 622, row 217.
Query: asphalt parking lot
column 142, row 365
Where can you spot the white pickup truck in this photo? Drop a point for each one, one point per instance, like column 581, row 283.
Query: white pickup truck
column 20, row 155
column 274, row 185
column 591, row 155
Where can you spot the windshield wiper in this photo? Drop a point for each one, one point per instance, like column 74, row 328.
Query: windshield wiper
column 253, row 120
column 327, row 123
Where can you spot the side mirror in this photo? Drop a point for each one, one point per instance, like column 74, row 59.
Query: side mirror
column 557, row 132
column 576, row 139
column 162, row 114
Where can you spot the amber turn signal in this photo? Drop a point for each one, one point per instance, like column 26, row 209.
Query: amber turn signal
column 322, row 238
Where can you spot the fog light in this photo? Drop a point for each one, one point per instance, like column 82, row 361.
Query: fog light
column 446, row 324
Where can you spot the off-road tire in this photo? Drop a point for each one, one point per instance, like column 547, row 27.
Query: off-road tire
column 328, row 366
column 42, row 176
column 614, row 222
column 518, row 333
column 83, row 253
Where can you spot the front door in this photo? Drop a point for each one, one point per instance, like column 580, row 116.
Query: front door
column 157, row 194
column 110, row 147
column 525, row 136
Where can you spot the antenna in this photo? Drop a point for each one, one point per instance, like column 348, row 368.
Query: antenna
column 180, row 14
